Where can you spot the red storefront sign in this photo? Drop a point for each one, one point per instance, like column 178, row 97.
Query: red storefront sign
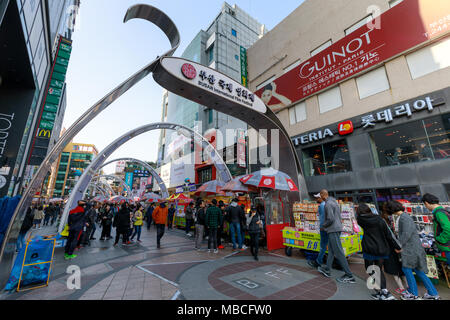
column 345, row 128
column 408, row 25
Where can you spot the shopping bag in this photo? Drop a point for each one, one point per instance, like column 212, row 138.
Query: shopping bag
column 65, row 232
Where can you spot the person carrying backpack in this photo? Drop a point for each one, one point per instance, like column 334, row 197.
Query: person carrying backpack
column 441, row 222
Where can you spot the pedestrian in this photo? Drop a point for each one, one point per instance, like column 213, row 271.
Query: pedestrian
column 441, row 224
column 200, row 222
column 213, row 220
column 48, row 214
column 76, row 222
column 106, row 221
column 376, row 244
column 333, row 227
column 170, row 216
column 91, row 216
column 323, row 235
column 160, row 217
column 55, row 213
column 220, row 229
column 412, row 254
column 148, row 215
column 122, row 224
column 38, row 216
column 138, row 222
column 254, row 226
column 393, row 266
column 189, row 219
column 235, row 217
column 243, row 227
column 26, row 226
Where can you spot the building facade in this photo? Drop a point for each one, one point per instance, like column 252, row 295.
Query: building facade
column 222, row 47
column 30, row 34
column 364, row 94
column 72, row 162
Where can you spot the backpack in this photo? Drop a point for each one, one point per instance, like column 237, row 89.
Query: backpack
column 439, row 229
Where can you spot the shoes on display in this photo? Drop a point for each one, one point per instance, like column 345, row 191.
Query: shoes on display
column 313, row 264
column 427, row 296
column 346, row 279
column 326, row 273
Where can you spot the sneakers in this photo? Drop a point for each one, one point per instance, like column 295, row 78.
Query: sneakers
column 221, row 247
column 244, row 247
column 346, row 279
column 426, row 296
column 385, row 295
column 409, row 296
column 70, row 257
column 216, row 251
column 313, row 264
column 400, row 291
column 324, row 272
column 209, row 250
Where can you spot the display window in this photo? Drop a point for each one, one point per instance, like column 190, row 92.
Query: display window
column 329, row 158
column 423, row 140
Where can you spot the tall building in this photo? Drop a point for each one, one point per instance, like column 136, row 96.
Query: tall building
column 74, row 159
column 364, row 92
column 222, row 47
column 35, row 40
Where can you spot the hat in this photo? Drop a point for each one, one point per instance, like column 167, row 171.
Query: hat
column 317, row 195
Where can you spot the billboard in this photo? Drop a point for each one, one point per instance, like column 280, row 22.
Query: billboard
column 361, row 50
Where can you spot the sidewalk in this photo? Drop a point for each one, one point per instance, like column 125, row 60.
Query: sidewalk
column 177, row 271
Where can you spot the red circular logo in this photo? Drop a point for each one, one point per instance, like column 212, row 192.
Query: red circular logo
column 189, row 71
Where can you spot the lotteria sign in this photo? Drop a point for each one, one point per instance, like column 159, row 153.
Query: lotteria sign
column 213, row 81
column 410, row 24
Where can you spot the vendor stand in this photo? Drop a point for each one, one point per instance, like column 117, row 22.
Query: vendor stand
column 181, row 202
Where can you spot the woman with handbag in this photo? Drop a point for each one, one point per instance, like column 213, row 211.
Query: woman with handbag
column 254, row 226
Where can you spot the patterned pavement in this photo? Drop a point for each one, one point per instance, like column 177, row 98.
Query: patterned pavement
column 177, row 271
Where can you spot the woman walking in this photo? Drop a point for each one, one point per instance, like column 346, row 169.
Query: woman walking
column 38, row 216
column 413, row 254
column 122, row 224
column 376, row 244
column 106, row 220
column 254, row 226
column 138, row 222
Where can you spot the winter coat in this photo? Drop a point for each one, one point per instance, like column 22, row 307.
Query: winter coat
column 441, row 221
column 160, row 215
column 77, row 219
column 91, row 216
column 252, row 225
column 332, row 222
column 109, row 217
column 201, row 216
column 413, row 254
column 39, row 215
column 139, row 218
column 28, row 221
column 235, row 214
column 122, row 220
column 189, row 213
column 213, row 217
column 377, row 239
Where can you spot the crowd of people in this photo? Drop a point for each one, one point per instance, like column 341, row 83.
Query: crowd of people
column 204, row 220
column 388, row 247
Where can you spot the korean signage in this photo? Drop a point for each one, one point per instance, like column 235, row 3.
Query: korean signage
column 129, row 179
column 386, row 115
column 361, row 50
column 212, row 81
column 241, row 149
column 244, row 70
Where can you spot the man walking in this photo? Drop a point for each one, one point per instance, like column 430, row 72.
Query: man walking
column 333, row 227
column 189, row 218
column 160, row 217
column 213, row 220
column 323, row 235
column 170, row 216
column 76, row 222
column 200, row 224
column 441, row 222
column 148, row 215
column 235, row 216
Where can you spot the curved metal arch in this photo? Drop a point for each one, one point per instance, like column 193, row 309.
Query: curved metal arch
column 122, row 182
column 140, row 11
column 103, row 191
column 105, row 185
column 155, row 175
column 79, row 189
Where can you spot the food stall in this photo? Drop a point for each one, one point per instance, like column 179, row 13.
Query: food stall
column 181, row 202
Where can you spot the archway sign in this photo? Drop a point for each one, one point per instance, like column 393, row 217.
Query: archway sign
column 79, row 190
column 168, row 73
column 149, row 168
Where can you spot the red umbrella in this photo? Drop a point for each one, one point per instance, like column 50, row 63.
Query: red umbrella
column 271, row 179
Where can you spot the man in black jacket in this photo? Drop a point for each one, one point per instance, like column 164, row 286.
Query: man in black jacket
column 26, row 226
column 76, row 222
column 235, row 216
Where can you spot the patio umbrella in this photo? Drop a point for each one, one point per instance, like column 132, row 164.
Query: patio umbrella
column 56, row 200
column 119, row 199
column 151, row 197
column 236, row 185
column 99, row 199
column 180, row 198
column 271, row 179
column 211, row 187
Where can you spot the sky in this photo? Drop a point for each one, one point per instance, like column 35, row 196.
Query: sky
column 106, row 52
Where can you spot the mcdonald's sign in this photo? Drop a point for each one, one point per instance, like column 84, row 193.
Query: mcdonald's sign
column 44, row 133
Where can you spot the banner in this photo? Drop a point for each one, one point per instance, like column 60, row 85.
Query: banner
column 410, row 24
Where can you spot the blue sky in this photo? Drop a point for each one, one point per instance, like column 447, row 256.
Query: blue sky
column 106, row 51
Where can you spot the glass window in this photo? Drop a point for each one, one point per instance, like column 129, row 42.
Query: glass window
column 205, row 175
column 297, row 113
column 326, row 159
column 234, row 32
column 417, row 141
column 393, row 3
column 411, row 194
column 330, row 99
column 429, row 59
column 358, row 24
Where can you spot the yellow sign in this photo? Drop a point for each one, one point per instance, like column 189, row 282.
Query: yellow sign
column 44, row 133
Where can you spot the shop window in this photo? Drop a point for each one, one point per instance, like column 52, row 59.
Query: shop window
column 233, row 33
column 429, row 59
column 372, row 82
column 321, row 47
column 205, row 175
column 417, row 141
column 326, row 159
column 297, row 113
column 330, row 100
column 411, row 194
column 358, row 24
column 393, row 3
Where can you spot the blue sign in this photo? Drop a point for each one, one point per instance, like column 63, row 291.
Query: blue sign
column 129, row 179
